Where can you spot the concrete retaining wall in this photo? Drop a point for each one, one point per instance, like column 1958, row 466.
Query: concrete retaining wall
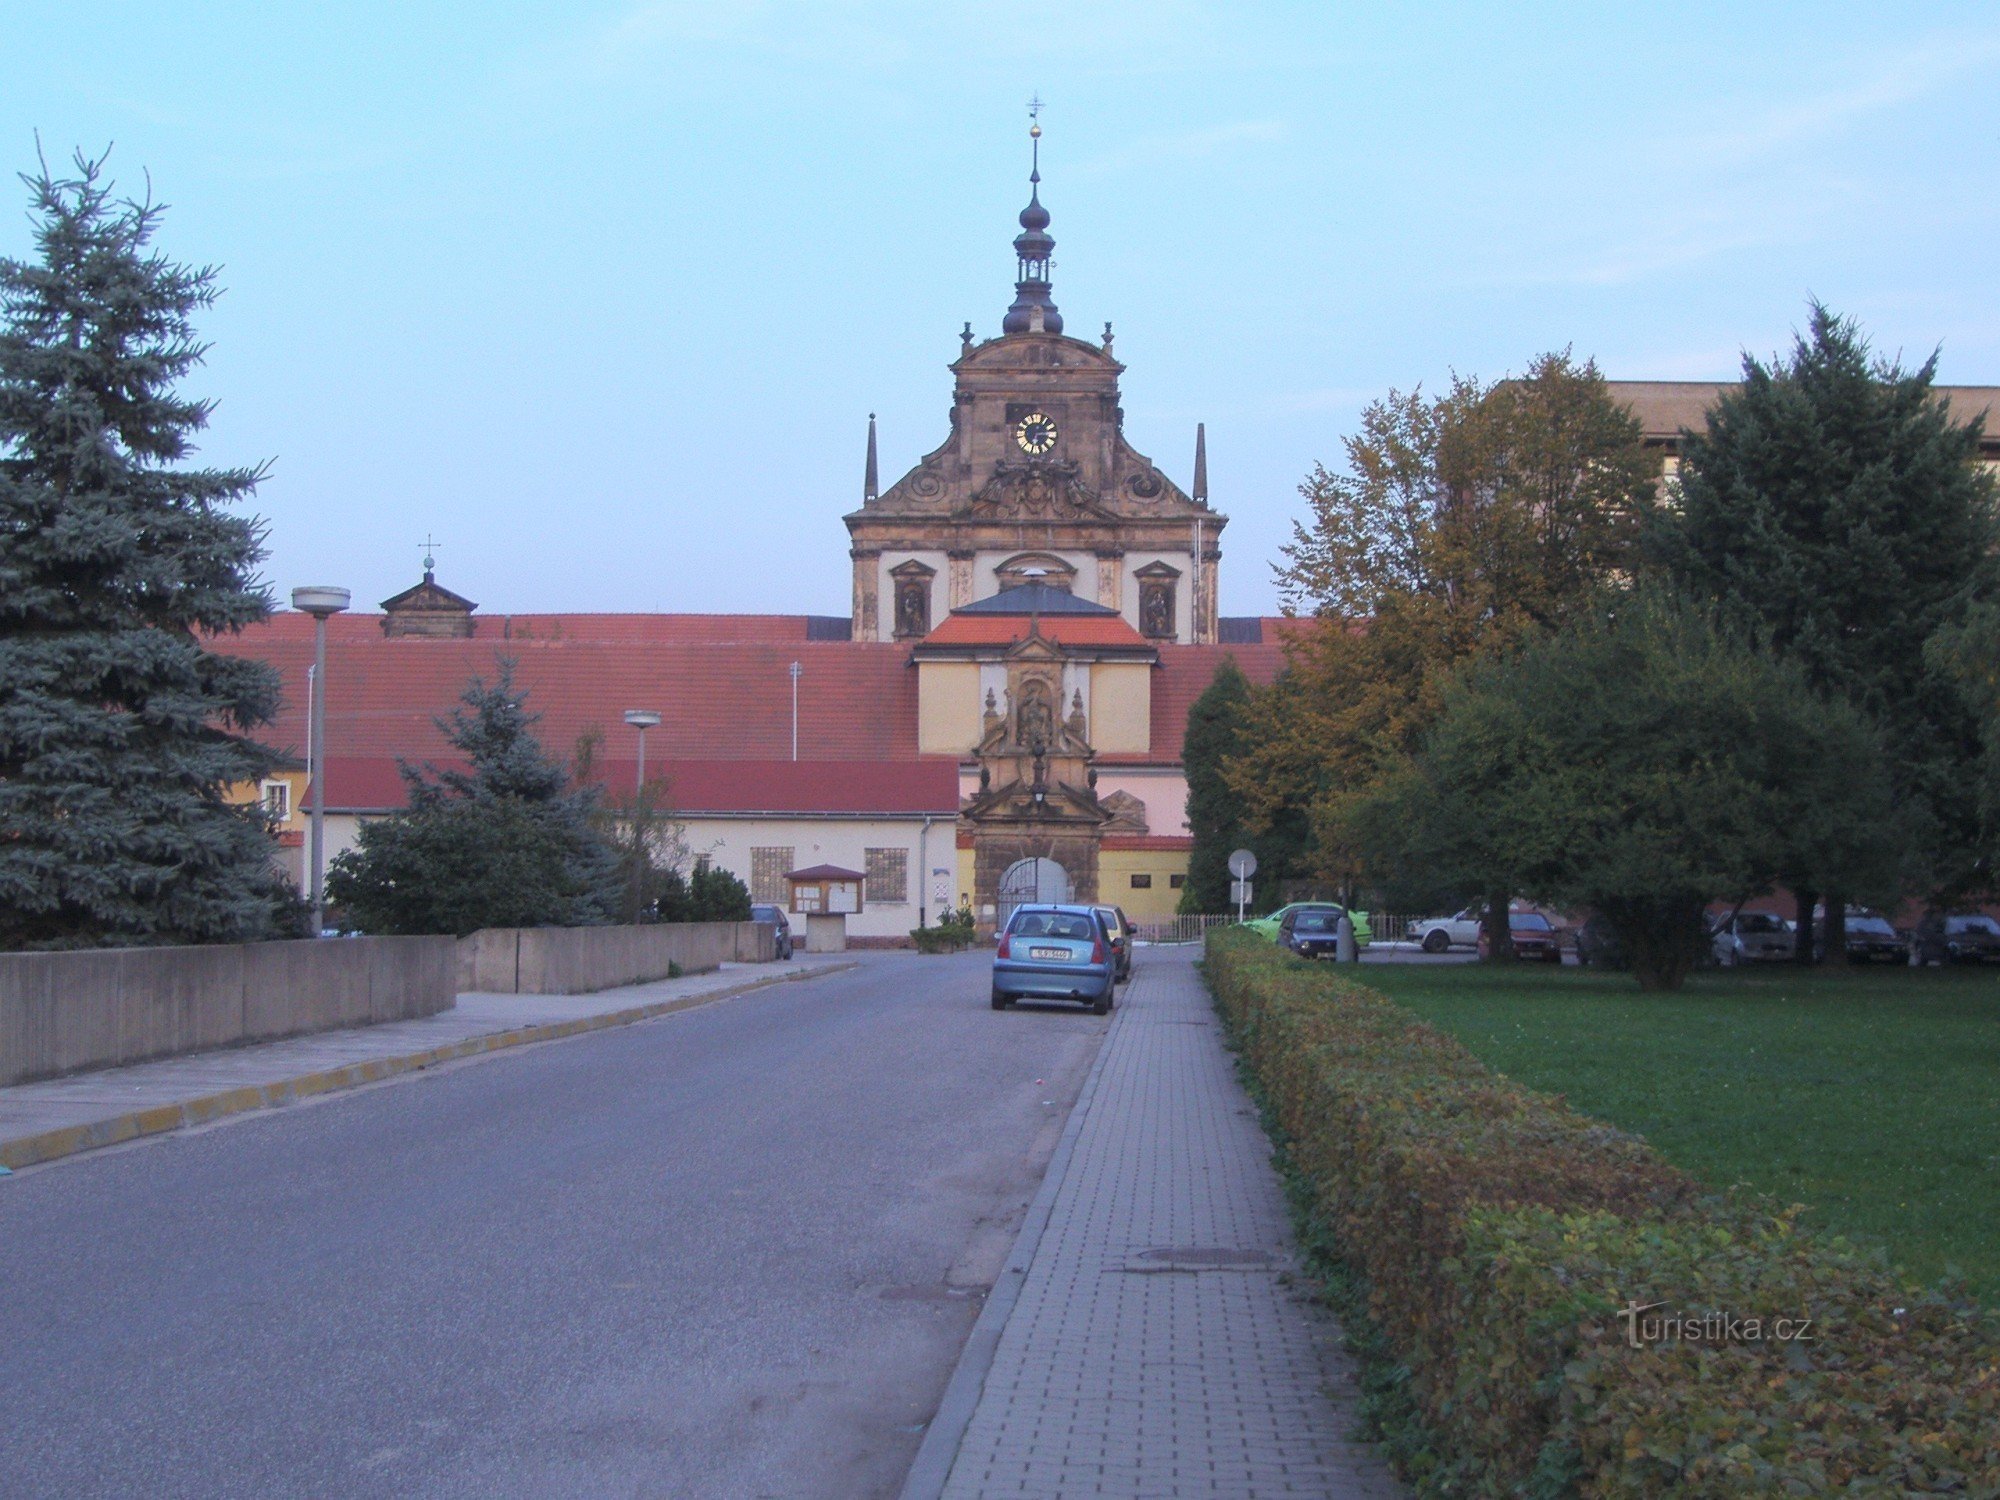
column 578, row 960
column 101, row 1008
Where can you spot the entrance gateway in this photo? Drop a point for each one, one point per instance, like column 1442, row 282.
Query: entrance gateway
column 1031, row 881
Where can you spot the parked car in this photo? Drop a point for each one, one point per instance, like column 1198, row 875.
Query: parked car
column 775, row 915
column 1268, row 926
column 1050, row 952
column 1958, row 938
column 1311, row 931
column 1436, row 934
column 1119, row 927
column 1535, row 938
column 1752, row 937
column 1598, row 942
column 1869, row 937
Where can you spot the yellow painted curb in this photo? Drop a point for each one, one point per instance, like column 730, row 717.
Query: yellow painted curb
column 158, row 1119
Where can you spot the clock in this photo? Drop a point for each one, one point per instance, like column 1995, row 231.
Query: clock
column 1036, row 433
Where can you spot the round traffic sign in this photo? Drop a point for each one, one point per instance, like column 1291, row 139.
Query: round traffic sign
column 1243, row 864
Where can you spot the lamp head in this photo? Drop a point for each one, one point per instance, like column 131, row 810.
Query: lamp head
column 320, row 600
column 641, row 718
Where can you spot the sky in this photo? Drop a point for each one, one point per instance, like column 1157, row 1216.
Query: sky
column 601, row 295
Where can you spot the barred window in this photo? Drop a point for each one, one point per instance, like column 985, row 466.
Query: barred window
column 1178, row 882
column 1142, row 882
column 888, row 876
column 767, row 874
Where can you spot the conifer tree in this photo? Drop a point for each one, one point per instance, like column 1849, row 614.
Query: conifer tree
column 119, row 732
column 510, row 841
column 1835, row 507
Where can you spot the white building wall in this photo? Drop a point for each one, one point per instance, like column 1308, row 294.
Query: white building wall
column 844, row 841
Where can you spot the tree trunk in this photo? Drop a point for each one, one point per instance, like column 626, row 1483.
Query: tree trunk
column 1499, row 933
column 1836, row 928
column 1802, row 937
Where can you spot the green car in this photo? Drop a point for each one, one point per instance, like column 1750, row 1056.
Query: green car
column 1268, row 926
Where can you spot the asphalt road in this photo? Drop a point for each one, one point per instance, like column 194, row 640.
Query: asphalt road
column 731, row 1252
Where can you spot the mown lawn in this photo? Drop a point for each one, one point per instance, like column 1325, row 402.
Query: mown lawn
column 1873, row 1097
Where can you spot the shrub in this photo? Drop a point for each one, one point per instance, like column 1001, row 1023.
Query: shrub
column 1500, row 1233
column 950, row 935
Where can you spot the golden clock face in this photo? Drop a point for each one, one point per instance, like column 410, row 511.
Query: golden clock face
column 1036, row 433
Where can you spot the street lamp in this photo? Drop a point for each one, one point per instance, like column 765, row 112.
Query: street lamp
column 641, row 719
column 322, row 603
column 797, row 671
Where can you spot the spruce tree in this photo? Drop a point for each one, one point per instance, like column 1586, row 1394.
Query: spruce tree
column 1835, row 507
column 510, row 841
column 119, row 731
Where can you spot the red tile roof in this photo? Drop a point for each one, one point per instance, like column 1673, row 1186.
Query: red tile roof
column 1184, row 675
column 902, row 788
column 721, row 683
column 1114, row 843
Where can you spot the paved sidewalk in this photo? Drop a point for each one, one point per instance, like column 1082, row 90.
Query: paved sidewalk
column 61, row 1116
column 1156, row 1346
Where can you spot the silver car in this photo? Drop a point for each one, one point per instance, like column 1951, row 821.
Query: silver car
column 1753, row 937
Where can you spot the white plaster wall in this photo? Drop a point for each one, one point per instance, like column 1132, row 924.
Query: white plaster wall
column 1164, row 793
column 837, row 841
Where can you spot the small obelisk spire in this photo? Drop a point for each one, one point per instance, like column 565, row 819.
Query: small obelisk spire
column 870, row 485
column 1200, row 491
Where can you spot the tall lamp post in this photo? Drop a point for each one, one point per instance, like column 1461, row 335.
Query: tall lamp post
column 797, row 671
column 322, row 603
column 641, row 719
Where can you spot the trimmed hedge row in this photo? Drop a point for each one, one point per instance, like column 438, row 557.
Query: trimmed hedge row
column 1500, row 1232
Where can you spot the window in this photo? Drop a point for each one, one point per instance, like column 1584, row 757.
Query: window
column 767, row 874
column 277, row 797
column 1142, row 882
column 1177, row 882
column 888, row 876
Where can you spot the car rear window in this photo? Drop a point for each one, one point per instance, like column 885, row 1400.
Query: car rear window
column 1757, row 921
column 1972, row 924
column 1315, row 921
column 1059, row 924
column 1528, row 921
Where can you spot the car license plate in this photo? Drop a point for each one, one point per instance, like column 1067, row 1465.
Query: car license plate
column 1048, row 953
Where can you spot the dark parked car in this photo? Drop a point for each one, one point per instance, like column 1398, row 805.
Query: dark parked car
column 1598, row 942
column 1055, row 953
column 1965, row 938
column 1534, row 938
column 775, row 915
column 1311, row 931
column 1869, row 937
column 1118, row 927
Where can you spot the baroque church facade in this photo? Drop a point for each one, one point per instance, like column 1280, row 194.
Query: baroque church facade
column 998, row 717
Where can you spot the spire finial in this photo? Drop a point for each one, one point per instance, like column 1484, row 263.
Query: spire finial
column 1200, row 491
column 870, row 486
column 1034, row 247
column 430, row 561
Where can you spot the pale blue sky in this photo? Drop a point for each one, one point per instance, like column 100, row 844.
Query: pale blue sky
column 602, row 293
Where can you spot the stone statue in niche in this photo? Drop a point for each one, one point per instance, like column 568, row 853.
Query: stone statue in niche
column 1035, row 724
column 1156, row 608
column 913, row 607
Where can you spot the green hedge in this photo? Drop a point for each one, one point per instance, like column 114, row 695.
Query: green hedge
column 1498, row 1233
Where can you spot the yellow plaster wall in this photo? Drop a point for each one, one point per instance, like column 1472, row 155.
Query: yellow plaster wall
column 968, row 870
column 947, row 707
column 1121, row 708
column 1115, row 869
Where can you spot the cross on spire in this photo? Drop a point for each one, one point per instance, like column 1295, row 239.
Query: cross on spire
column 430, row 546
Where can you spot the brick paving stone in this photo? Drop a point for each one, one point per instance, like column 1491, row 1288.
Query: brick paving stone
column 1138, row 1361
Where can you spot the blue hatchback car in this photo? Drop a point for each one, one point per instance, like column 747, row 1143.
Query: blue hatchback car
column 1054, row 953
